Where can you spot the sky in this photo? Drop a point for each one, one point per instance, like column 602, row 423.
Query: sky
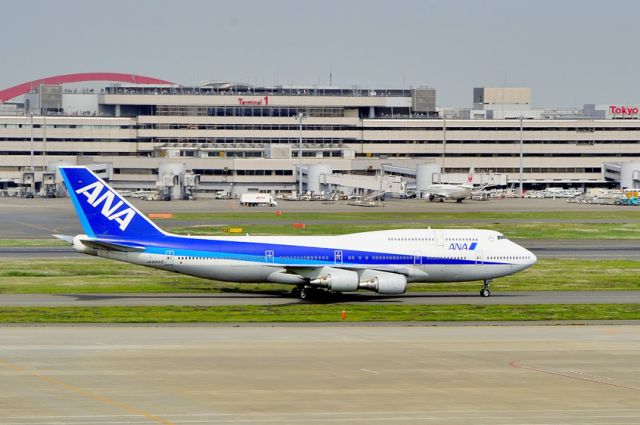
column 569, row 52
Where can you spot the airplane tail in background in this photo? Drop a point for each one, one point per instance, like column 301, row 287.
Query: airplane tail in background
column 470, row 177
column 102, row 211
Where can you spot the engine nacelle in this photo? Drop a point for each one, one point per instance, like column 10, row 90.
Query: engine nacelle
column 383, row 282
column 337, row 280
column 80, row 247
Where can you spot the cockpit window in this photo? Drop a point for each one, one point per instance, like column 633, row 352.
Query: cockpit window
column 501, row 237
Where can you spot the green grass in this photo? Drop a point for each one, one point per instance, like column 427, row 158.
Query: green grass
column 96, row 275
column 622, row 214
column 319, row 313
column 26, row 243
column 558, row 275
column 529, row 230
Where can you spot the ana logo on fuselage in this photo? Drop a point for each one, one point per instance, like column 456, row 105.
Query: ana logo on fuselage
column 463, row 246
column 93, row 193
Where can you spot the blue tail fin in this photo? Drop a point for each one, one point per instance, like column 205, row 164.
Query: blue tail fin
column 102, row 211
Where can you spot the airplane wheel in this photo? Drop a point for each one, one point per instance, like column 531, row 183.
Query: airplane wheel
column 295, row 292
column 304, row 294
column 441, row 199
column 484, row 292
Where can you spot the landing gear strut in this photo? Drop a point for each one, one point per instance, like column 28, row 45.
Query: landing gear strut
column 484, row 292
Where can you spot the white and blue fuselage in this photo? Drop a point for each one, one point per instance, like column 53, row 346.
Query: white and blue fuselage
column 382, row 261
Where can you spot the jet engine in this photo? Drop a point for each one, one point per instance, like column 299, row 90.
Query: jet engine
column 383, row 282
column 338, row 280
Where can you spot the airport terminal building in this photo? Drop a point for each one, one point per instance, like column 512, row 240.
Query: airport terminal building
column 237, row 138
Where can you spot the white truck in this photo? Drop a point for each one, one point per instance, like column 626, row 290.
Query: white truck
column 257, row 199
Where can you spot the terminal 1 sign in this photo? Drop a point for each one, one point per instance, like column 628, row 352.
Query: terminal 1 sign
column 254, row 101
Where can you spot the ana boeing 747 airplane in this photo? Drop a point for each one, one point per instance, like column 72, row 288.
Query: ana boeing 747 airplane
column 380, row 261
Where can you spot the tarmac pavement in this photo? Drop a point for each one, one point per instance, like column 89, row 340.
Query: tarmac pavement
column 480, row 375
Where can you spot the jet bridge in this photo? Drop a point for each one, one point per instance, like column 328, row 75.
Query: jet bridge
column 362, row 185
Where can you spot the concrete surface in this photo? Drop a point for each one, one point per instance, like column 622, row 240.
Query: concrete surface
column 411, row 298
column 320, row 375
column 39, row 218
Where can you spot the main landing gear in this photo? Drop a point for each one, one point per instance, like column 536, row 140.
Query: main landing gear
column 302, row 292
column 484, row 292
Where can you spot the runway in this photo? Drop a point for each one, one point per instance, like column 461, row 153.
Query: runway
column 411, row 298
column 478, row 375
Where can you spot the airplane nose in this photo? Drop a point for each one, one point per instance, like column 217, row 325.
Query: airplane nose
column 532, row 258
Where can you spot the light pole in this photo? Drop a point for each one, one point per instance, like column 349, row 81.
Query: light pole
column 521, row 167
column 444, row 146
column 31, row 141
column 44, row 141
column 301, row 116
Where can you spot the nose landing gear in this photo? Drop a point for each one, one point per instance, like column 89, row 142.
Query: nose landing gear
column 484, row 292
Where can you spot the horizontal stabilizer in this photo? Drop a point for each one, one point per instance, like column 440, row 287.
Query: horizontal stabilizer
column 65, row 238
column 111, row 246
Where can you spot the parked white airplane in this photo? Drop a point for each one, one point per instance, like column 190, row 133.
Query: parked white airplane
column 457, row 192
column 381, row 261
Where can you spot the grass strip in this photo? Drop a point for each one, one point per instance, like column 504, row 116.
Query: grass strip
column 28, row 243
column 529, row 230
column 622, row 214
column 305, row 313
column 97, row 275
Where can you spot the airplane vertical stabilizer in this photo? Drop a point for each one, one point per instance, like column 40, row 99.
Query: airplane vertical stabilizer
column 102, row 211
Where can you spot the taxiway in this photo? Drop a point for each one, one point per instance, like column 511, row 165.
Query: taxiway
column 467, row 375
column 411, row 298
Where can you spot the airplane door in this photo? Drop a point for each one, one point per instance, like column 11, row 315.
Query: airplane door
column 337, row 257
column 439, row 238
column 268, row 256
column 479, row 257
column 168, row 258
column 417, row 259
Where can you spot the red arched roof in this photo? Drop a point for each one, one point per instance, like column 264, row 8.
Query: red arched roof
column 24, row 88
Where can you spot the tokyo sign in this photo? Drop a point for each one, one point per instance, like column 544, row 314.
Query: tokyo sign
column 624, row 110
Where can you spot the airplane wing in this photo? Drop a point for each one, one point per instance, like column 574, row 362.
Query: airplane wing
column 313, row 271
column 436, row 194
column 299, row 275
column 345, row 279
column 440, row 193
